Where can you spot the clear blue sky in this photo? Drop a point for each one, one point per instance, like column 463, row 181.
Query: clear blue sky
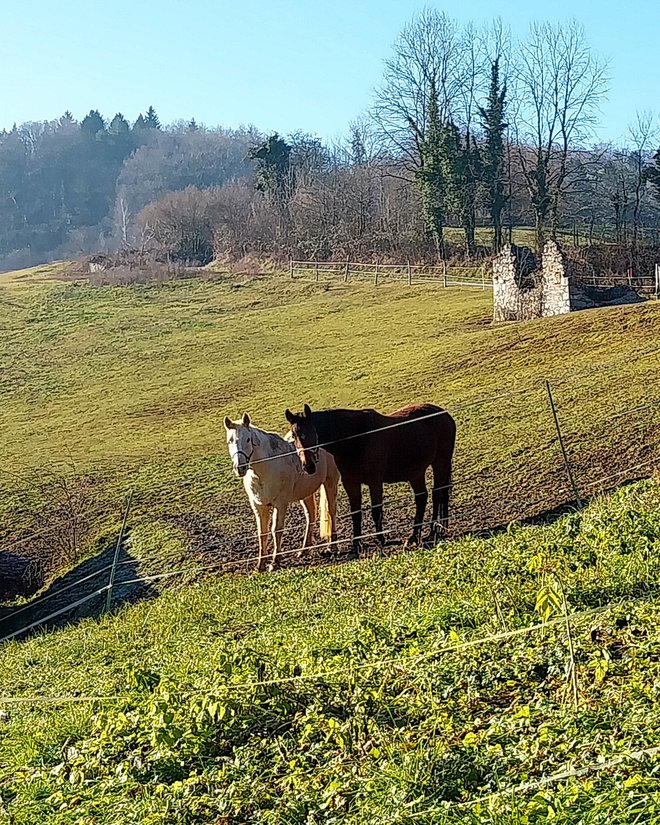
column 279, row 64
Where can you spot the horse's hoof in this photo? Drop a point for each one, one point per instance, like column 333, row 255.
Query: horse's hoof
column 355, row 550
column 431, row 540
column 411, row 542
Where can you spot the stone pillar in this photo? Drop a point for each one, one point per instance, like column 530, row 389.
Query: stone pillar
column 555, row 286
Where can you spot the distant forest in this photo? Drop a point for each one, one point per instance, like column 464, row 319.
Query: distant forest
column 466, row 130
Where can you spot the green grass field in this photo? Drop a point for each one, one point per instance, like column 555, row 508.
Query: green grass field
column 107, row 389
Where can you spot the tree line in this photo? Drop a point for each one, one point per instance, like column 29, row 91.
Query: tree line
column 468, row 129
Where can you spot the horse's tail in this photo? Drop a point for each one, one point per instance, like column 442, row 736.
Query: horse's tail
column 325, row 522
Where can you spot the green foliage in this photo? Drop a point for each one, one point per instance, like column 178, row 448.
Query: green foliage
column 273, row 162
column 431, row 174
column 448, row 176
column 462, row 174
column 119, row 125
column 92, row 123
column 151, row 120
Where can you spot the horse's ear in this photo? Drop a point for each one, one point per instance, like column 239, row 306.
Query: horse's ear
column 290, row 417
column 246, row 420
column 307, row 412
column 229, row 424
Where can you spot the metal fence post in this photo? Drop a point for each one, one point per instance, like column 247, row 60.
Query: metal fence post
column 346, row 271
column 409, row 275
column 317, row 270
column 444, row 273
column 291, row 269
column 561, row 445
column 120, row 540
column 376, row 276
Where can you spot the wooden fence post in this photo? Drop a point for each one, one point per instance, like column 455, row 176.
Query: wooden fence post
column 317, row 270
column 346, row 271
column 561, row 445
column 291, row 269
column 409, row 275
column 444, row 273
column 115, row 559
column 376, row 276
column 657, row 280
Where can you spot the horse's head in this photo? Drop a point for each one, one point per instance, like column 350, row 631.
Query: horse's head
column 241, row 441
column 305, row 438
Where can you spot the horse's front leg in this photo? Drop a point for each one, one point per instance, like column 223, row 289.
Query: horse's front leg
column 376, row 492
column 261, row 513
column 277, row 526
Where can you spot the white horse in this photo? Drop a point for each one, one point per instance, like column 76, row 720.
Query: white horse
column 273, row 477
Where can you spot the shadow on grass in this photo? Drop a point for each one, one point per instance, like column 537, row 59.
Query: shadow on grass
column 79, row 594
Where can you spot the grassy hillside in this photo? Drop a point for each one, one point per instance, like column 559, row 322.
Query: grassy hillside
column 352, row 693
column 110, row 388
column 401, row 690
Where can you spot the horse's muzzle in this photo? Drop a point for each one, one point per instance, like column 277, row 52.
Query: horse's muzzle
column 240, row 470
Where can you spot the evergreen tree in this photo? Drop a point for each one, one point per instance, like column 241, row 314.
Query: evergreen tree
column 273, row 158
column 139, row 123
column 151, row 120
column 493, row 159
column 119, row 125
column 93, row 123
column 461, row 165
column 430, row 176
column 192, row 125
column 358, row 153
column 66, row 121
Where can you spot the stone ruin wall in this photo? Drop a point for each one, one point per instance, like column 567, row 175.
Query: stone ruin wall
column 523, row 289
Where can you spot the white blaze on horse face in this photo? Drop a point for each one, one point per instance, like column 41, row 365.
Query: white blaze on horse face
column 239, row 441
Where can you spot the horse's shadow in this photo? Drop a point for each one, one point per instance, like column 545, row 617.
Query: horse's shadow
column 78, row 594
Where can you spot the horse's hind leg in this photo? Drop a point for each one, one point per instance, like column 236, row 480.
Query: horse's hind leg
column 309, row 508
column 421, row 498
column 441, row 492
column 354, row 493
column 376, row 492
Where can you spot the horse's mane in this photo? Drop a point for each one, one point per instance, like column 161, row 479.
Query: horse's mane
column 274, row 441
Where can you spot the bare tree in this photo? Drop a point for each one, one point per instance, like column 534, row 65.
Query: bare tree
column 124, row 218
column 429, row 51
column 644, row 135
column 560, row 84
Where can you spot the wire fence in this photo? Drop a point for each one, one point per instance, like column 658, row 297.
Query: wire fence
column 549, row 452
column 445, row 274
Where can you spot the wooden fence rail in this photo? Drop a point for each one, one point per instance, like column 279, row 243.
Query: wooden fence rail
column 444, row 274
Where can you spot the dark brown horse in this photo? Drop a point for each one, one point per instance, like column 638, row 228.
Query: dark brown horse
column 374, row 449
